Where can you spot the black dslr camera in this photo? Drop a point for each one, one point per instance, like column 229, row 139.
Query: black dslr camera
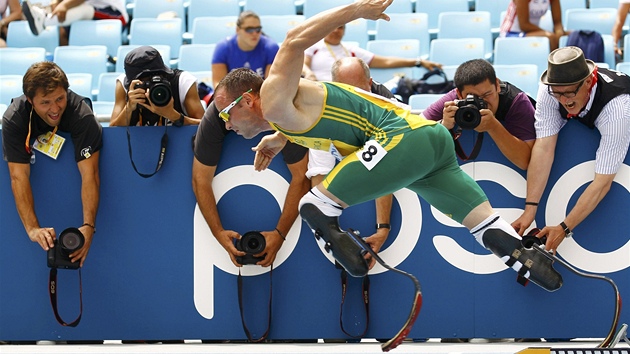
column 467, row 115
column 70, row 240
column 159, row 90
column 253, row 242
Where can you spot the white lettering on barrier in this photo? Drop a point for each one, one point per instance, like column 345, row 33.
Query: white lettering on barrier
column 560, row 194
column 207, row 251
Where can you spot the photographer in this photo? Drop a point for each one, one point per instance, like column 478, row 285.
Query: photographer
column 32, row 120
column 508, row 116
column 150, row 93
column 207, row 148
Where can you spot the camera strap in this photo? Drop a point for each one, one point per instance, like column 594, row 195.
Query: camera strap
column 457, row 133
column 163, row 144
column 365, row 292
column 52, row 291
column 240, row 306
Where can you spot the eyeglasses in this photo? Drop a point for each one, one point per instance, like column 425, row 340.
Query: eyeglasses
column 567, row 94
column 225, row 112
column 251, row 30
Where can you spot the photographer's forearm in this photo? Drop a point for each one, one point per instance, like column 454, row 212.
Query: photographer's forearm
column 23, row 194
column 515, row 149
column 298, row 186
column 90, row 187
column 202, row 177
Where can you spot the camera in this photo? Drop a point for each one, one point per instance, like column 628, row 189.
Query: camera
column 159, row 90
column 467, row 115
column 253, row 242
column 70, row 240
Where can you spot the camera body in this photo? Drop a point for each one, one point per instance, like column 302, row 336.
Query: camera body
column 467, row 115
column 160, row 92
column 70, row 240
column 253, row 242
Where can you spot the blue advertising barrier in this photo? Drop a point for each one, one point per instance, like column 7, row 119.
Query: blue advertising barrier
column 155, row 271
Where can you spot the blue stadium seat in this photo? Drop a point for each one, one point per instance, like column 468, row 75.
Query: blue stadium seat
column 357, row 31
column 423, row 100
column 154, row 8
column 599, row 4
column 494, row 7
column 525, row 50
column 211, row 30
column 103, row 110
column 624, row 67
column 409, row 26
column 90, row 32
column 196, row 57
column 145, row 31
column 164, row 50
column 433, row 8
column 16, row 61
column 10, row 87
column 600, row 20
column 469, row 24
column 19, row 35
column 454, row 51
column 91, row 59
column 313, row 7
column 276, row 26
column 271, row 7
column 209, row 8
column 400, row 7
column 107, row 87
column 81, row 83
column 571, row 4
column 524, row 76
column 406, row 48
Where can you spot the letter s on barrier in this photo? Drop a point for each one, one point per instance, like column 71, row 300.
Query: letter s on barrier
column 207, row 252
column 455, row 254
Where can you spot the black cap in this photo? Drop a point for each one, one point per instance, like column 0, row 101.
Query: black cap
column 142, row 61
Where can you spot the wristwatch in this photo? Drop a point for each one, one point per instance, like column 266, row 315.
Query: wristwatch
column 180, row 121
column 567, row 232
column 383, row 226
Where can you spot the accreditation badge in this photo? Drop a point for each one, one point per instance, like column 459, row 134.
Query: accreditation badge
column 49, row 144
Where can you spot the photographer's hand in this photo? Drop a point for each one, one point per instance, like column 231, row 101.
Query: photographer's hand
column 376, row 241
column 226, row 239
column 81, row 254
column 448, row 114
column 488, row 121
column 168, row 111
column 135, row 95
column 274, row 242
column 45, row 236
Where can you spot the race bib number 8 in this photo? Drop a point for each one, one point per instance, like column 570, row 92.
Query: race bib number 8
column 371, row 154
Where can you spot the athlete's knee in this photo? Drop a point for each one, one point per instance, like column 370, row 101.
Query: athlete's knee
column 326, row 205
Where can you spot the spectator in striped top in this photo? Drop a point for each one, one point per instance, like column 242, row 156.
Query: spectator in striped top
column 523, row 19
column 576, row 89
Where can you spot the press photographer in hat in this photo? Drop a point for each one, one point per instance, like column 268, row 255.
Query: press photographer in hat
column 150, row 93
column 576, row 89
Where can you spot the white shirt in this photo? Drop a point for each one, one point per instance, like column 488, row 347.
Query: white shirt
column 324, row 55
column 613, row 123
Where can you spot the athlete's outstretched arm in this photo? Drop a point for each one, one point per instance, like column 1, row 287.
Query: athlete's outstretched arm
column 280, row 89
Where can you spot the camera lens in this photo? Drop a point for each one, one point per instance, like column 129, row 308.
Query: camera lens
column 160, row 94
column 253, row 242
column 71, row 240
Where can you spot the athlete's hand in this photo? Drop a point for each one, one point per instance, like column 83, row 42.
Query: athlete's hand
column 268, row 147
column 373, row 9
column 523, row 222
column 376, row 241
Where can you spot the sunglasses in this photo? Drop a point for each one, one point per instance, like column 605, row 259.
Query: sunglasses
column 225, row 112
column 251, row 30
column 567, row 94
